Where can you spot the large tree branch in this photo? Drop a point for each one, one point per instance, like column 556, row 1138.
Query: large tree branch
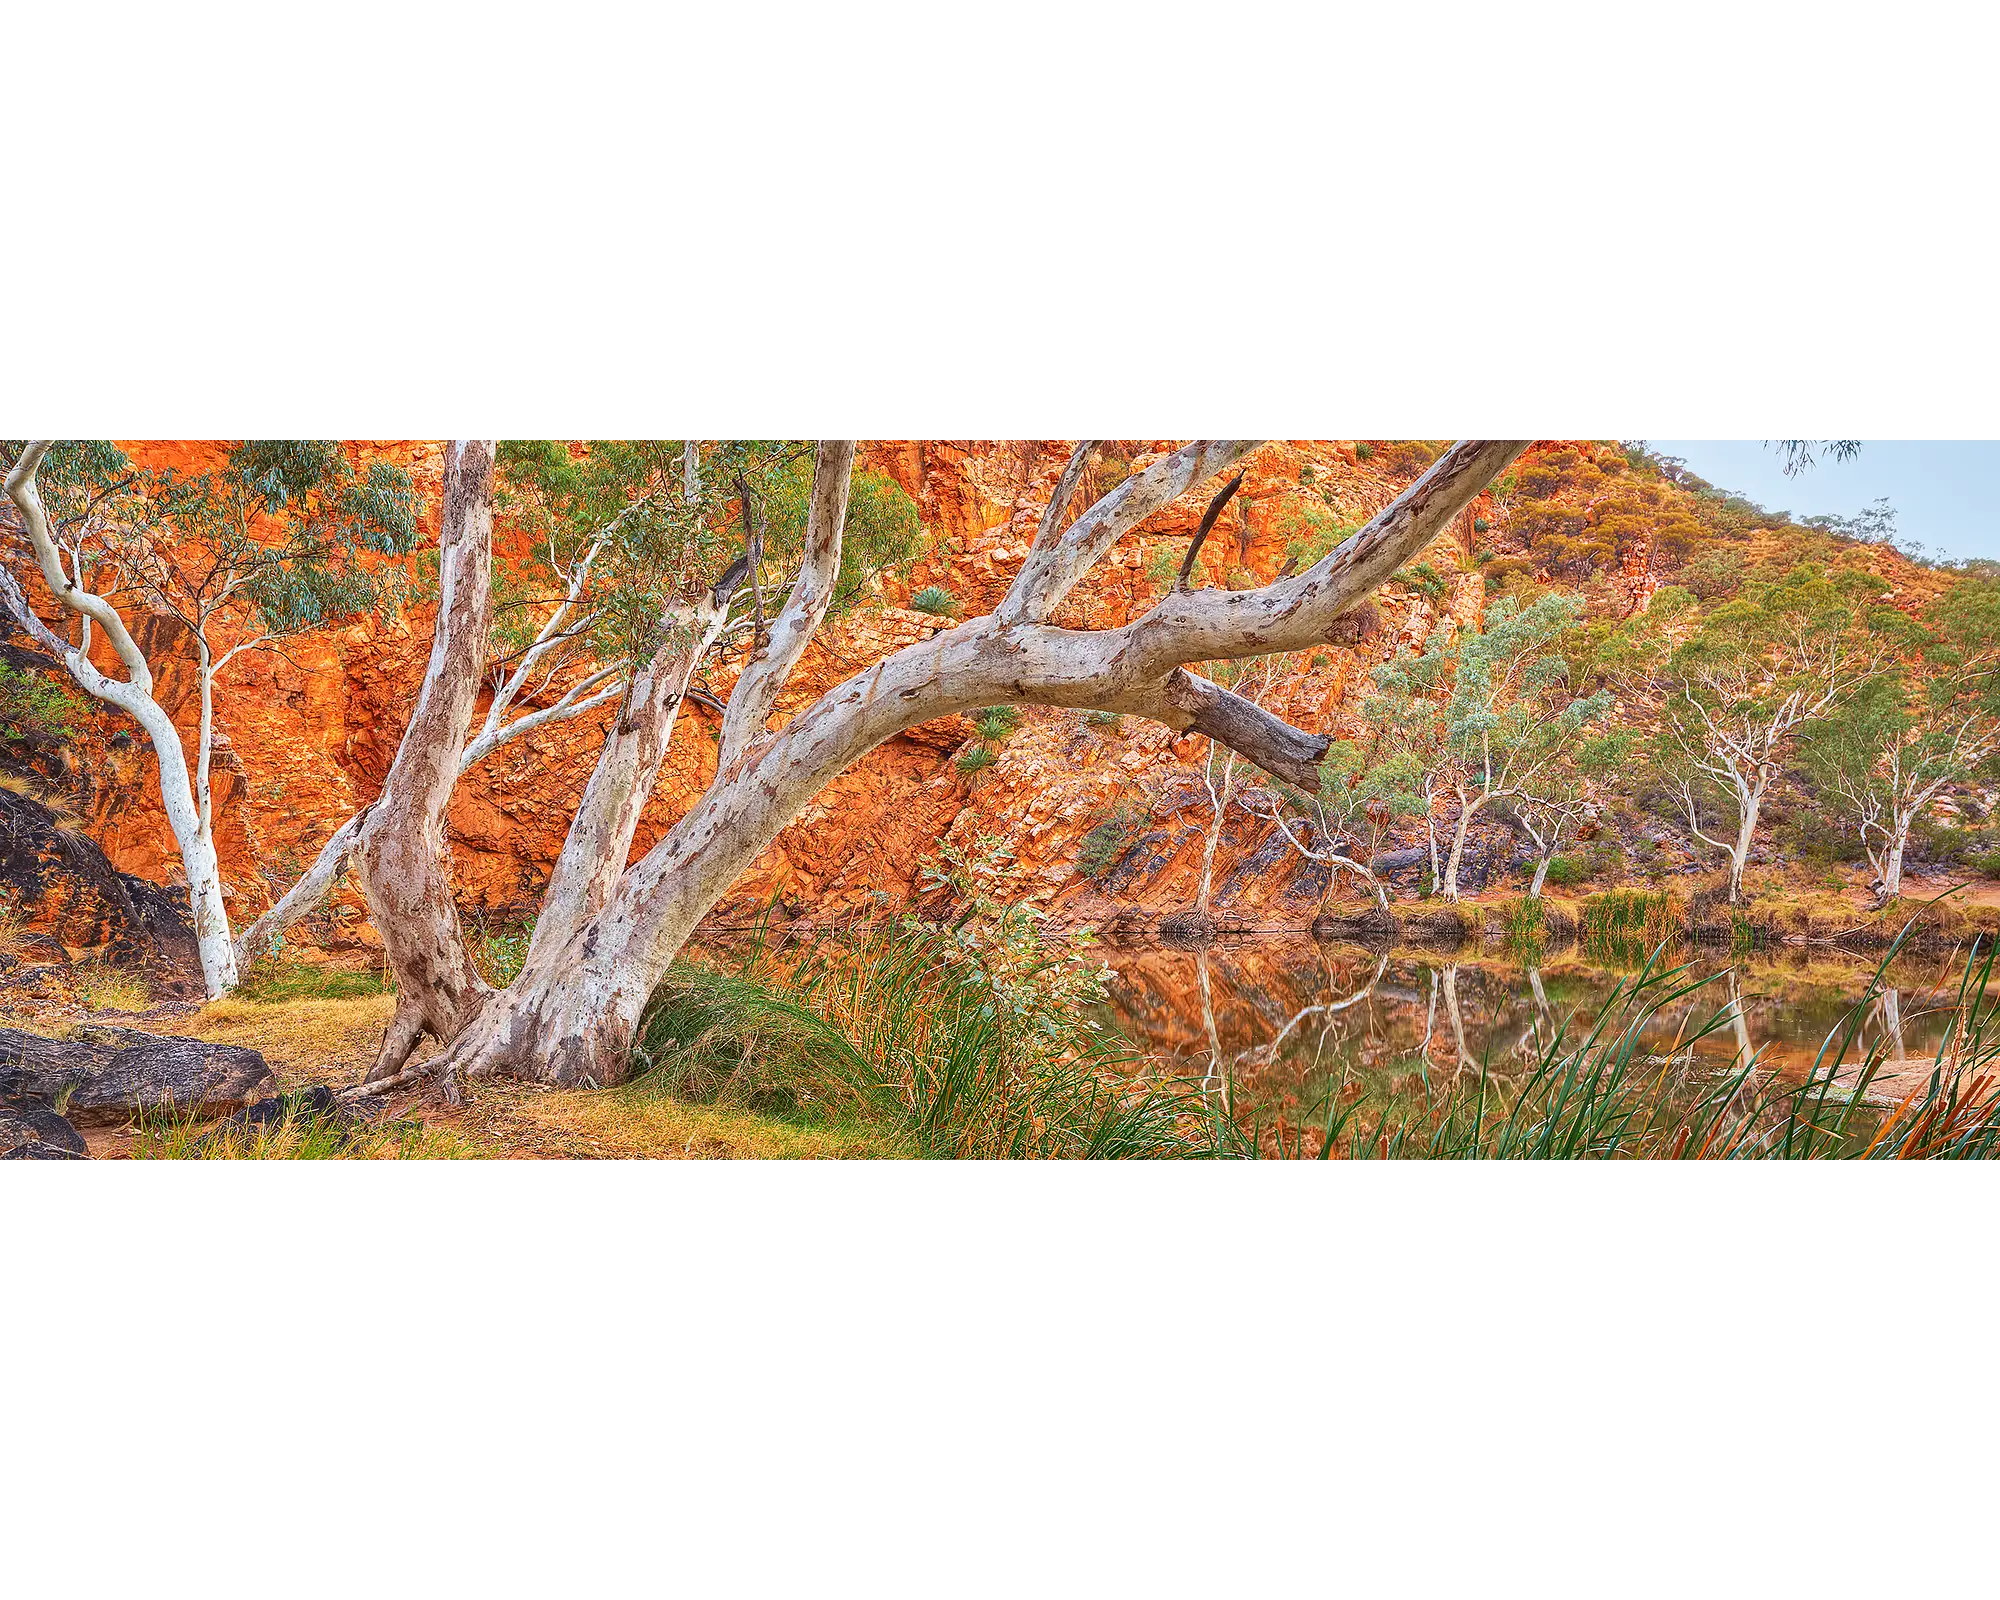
column 577, row 1003
column 1057, row 566
column 312, row 888
column 1049, row 530
column 549, row 636
column 1201, row 533
column 764, row 674
column 574, row 703
column 27, row 497
column 986, row 662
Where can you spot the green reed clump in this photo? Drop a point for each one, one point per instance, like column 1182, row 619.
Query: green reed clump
column 894, row 1030
column 1624, row 927
column 1524, row 927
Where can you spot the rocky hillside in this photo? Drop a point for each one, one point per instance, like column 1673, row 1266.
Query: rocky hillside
column 307, row 734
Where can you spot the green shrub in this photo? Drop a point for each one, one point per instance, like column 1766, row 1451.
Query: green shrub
column 1105, row 845
column 1103, row 719
column 975, row 758
column 935, row 601
column 1363, row 450
column 1567, row 871
column 1410, row 456
column 33, row 706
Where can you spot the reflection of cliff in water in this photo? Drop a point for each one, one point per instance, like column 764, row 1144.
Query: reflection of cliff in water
column 1273, row 1018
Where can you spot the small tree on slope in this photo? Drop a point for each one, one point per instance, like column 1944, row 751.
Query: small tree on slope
column 1740, row 690
column 1902, row 737
column 1494, row 709
column 262, row 548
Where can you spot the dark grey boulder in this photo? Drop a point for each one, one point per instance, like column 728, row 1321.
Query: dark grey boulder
column 107, row 1074
column 31, row 1135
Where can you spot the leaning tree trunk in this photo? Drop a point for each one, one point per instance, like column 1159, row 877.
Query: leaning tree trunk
column 599, row 842
column 401, row 853
column 572, row 1016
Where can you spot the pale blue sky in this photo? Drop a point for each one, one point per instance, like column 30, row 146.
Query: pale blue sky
column 1946, row 491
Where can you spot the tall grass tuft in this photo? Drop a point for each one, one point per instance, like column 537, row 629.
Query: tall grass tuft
column 891, row 1031
column 1524, row 928
column 1626, row 927
column 104, row 987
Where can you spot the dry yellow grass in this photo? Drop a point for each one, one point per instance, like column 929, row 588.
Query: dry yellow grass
column 614, row 1125
column 317, row 1039
column 321, row 1040
column 108, row 988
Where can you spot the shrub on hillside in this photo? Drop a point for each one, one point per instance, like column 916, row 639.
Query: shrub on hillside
column 1409, row 456
column 1105, row 845
column 35, row 708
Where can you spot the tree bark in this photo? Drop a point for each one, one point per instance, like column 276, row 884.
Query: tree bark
column 1746, row 831
column 401, row 852
column 599, row 843
column 1467, row 809
column 1541, row 876
column 1892, row 867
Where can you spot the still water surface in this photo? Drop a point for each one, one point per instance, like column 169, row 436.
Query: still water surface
column 1282, row 1016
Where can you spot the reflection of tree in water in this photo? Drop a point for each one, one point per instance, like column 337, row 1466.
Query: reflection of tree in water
column 1316, row 1019
column 1273, row 1028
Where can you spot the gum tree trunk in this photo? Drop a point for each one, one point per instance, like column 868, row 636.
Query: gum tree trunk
column 1892, row 867
column 1467, row 810
column 599, row 842
column 1541, row 877
column 1746, row 831
column 401, row 852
